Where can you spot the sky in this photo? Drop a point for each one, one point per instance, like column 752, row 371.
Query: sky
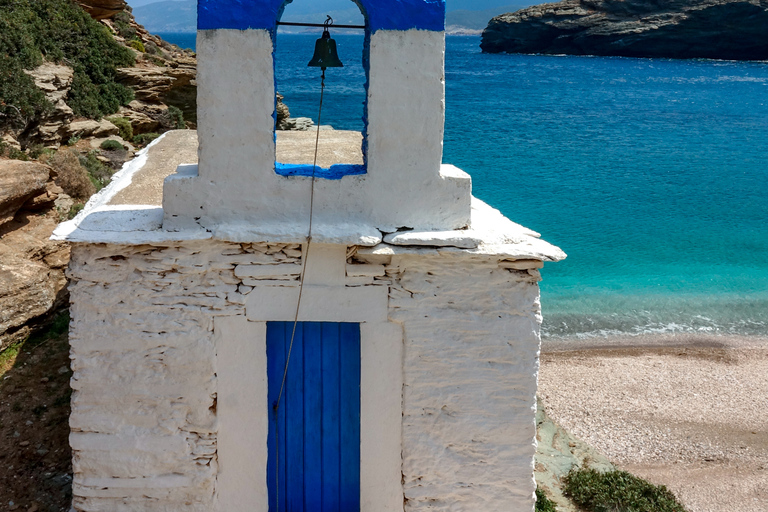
column 332, row 5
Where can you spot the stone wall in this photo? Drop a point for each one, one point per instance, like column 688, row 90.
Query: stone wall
column 144, row 409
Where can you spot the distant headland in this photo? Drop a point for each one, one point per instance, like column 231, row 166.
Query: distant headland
column 681, row 29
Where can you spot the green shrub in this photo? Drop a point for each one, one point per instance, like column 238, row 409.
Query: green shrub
column 59, row 31
column 122, row 23
column 9, row 151
column 173, row 118
column 145, row 138
column 137, row 45
column 157, row 61
column 99, row 173
column 544, row 504
column 38, row 150
column 620, row 491
column 111, row 145
column 20, row 100
column 124, row 124
column 74, row 210
column 152, row 48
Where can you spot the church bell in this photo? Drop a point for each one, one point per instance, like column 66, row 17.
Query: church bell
column 326, row 55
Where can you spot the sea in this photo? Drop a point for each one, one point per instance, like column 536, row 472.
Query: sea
column 651, row 174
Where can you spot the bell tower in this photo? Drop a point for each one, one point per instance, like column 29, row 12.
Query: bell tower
column 225, row 362
column 235, row 189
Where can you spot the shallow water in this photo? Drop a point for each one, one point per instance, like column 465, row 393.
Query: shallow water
column 650, row 174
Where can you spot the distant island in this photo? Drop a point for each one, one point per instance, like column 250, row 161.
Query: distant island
column 180, row 16
column 681, row 29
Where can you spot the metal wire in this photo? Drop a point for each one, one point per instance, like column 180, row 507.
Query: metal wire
column 298, row 302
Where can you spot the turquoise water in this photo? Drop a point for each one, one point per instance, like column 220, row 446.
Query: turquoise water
column 651, row 174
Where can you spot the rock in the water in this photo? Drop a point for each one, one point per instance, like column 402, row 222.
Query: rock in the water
column 19, row 183
column 282, row 111
column 102, row 9
column 298, row 124
column 684, row 29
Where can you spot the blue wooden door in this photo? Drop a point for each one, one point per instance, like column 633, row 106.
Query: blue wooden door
column 314, row 435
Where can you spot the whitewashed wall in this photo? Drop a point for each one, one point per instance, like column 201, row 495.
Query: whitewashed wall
column 405, row 185
column 145, row 412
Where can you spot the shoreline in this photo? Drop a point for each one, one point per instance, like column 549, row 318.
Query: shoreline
column 685, row 410
column 653, row 342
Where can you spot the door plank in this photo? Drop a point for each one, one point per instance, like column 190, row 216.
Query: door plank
column 317, row 427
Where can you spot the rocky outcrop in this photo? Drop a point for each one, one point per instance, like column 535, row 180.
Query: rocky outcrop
column 55, row 81
column 91, row 128
column 32, row 280
column 147, row 83
column 102, row 9
column 282, row 112
column 285, row 122
column 20, row 182
column 685, row 29
column 163, row 75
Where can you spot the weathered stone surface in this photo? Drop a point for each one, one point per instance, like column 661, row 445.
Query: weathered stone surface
column 102, row 9
column 20, row 182
column 55, row 81
column 298, row 124
column 45, row 200
column 150, row 391
column 32, row 278
column 143, row 116
column 173, row 84
column 716, row 29
column 282, row 111
column 10, row 140
column 148, row 83
column 90, row 128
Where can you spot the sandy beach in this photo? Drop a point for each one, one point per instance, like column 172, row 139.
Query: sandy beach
column 686, row 411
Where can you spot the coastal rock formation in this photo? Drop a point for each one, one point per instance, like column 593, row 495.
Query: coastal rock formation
column 102, row 9
column 162, row 76
column 684, row 29
column 282, row 112
column 91, row 128
column 32, row 280
column 55, row 81
column 19, row 183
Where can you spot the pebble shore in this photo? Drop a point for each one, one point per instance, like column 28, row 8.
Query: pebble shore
column 685, row 411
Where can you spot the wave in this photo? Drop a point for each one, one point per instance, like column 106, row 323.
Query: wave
column 608, row 316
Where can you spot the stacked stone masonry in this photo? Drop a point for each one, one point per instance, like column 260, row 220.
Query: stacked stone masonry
column 144, row 409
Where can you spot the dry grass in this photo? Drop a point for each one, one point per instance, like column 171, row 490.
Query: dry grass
column 71, row 176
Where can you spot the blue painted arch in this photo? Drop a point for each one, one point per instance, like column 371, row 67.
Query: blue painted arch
column 264, row 14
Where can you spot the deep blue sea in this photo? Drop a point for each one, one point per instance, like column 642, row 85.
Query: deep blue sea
column 651, row 174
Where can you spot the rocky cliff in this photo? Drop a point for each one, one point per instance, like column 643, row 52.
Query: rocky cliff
column 683, row 29
column 52, row 157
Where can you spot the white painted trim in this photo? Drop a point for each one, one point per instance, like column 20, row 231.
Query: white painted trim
column 242, row 374
column 242, row 410
column 318, row 304
column 120, row 180
column 381, row 416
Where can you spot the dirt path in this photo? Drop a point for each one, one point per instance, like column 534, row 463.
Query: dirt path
column 180, row 147
column 35, row 458
column 688, row 412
